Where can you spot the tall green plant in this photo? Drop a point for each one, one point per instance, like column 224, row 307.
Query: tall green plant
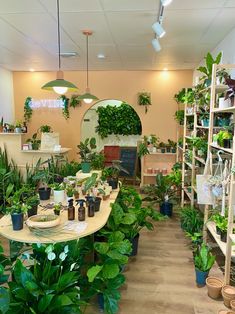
column 207, row 69
column 204, row 259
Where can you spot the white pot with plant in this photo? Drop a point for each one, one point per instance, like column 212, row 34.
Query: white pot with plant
column 18, row 127
column 224, row 103
column 58, row 189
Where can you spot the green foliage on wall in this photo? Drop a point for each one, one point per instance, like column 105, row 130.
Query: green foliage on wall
column 118, row 120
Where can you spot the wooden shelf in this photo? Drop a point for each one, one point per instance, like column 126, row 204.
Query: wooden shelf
column 188, row 193
column 194, row 188
column 12, row 133
column 201, row 160
column 229, row 109
column 222, row 245
column 227, row 150
column 46, row 151
column 218, row 88
column 188, row 137
column 202, row 127
column 158, row 153
column 188, row 164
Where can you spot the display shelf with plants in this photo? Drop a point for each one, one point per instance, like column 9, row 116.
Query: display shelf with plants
column 221, row 138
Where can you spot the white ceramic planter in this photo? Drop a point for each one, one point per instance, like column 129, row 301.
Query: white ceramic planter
column 18, row 130
column 224, row 103
column 58, row 196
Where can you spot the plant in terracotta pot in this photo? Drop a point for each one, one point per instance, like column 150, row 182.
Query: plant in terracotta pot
column 34, row 141
column 214, row 287
column 203, row 261
column 16, row 208
column 86, row 149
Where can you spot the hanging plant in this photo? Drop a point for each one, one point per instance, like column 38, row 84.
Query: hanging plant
column 145, row 100
column 65, row 109
column 118, row 120
column 75, row 101
column 28, row 111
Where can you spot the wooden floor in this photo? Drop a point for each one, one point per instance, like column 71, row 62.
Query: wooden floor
column 161, row 279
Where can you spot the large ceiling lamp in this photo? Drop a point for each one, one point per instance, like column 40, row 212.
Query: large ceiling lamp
column 87, row 97
column 60, row 86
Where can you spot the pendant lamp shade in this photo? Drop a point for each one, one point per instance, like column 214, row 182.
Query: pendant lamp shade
column 60, row 86
column 87, row 97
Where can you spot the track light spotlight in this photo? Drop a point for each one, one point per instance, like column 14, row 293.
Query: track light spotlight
column 158, row 29
column 156, row 44
column 166, row 2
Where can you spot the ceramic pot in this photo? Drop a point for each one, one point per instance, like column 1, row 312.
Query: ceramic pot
column 113, row 182
column 166, row 209
column 218, row 231
column 214, row 287
column 97, row 203
column 227, row 143
column 86, row 167
column 201, row 277
column 18, row 130
column 223, row 236
column 17, row 221
column 205, row 122
column 44, row 194
column 58, row 196
column 228, row 293
column 232, row 304
column 224, row 103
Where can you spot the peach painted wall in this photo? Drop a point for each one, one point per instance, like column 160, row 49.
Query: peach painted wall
column 123, row 85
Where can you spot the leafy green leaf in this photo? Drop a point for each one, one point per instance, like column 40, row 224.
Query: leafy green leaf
column 22, row 274
column 115, row 255
column 110, row 270
column 101, row 247
column 93, row 272
column 129, row 219
column 45, row 302
column 33, row 288
column 4, row 300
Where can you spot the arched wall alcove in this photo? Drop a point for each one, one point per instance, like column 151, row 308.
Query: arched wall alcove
column 90, row 122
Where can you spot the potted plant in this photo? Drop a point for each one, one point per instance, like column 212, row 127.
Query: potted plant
column 207, row 69
column 16, row 208
column 203, row 262
column 221, row 75
column 45, row 129
column 179, row 116
column 18, row 127
column 204, row 117
column 33, row 202
column 222, row 226
column 111, row 173
column 70, row 191
column 201, row 146
column 224, row 139
column 58, row 190
column 144, row 100
column 163, row 193
column 57, row 208
column 162, row 147
column 34, row 141
column 172, row 146
column 85, row 152
column 44, row 176
column 230, row 93
column 217, row 219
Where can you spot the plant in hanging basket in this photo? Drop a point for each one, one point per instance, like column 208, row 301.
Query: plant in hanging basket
column 75, row 101
column 144, row 100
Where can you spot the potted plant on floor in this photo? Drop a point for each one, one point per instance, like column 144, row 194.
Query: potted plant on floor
column 85, row 151
column 163, row 193
column 203, row 262
column 16, row 208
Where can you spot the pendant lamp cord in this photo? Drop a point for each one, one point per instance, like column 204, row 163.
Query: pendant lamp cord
column 58, row 31
column 87, row 61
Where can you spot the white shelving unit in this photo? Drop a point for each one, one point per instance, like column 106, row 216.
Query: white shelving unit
column 227, row 248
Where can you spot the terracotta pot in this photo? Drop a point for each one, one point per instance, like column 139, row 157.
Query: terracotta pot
column 214, row 286
column 228, row 293
column 232, row 304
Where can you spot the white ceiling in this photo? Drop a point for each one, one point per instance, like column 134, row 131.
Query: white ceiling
column 122, row 31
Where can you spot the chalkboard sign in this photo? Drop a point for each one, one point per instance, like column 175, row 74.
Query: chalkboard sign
column 128, row 156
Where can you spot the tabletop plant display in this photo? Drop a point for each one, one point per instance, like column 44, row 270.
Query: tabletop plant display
column 203, row 261
column 16, row 208
column 144, row 99
column 86, row 149
column 163, row 192
column 34, row 142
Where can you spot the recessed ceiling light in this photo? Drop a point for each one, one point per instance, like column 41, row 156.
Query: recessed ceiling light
column 69, row 54
column 101, row 56
column 31, row 70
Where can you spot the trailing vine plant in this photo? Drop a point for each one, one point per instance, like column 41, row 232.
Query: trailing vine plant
column 28, row 111
column 65, row 109
column 144, row 100
column 75, row 101
column 118, row 120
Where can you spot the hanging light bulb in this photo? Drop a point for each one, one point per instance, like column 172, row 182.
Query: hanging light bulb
column 87, row 97
column 60, row 86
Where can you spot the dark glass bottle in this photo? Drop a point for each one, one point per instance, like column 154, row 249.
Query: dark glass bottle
column 91, row 209
column 71, row 210
column 25, row 128
column 81, row 210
